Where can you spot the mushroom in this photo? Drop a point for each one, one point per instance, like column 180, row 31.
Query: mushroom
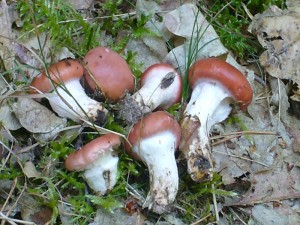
column 161, row 87
column 108, row 73
column 98, row 161
column 68, row 98
column 216, row 84
column 153, row 140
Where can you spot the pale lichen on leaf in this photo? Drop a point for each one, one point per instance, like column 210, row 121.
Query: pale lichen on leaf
column 279, row 32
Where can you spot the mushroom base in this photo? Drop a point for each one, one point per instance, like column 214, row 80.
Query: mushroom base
column 209, row 104
column 131, row 111
column 157, row 152
column 199, row 162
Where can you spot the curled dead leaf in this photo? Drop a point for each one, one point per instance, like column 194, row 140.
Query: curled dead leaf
column 186, row 21
column 282, row 56
column 8, row 118
column 271, row 186
column 30, row 170
column 38, row 119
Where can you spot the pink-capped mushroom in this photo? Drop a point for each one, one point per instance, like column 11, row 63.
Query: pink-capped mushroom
column 216, row 84
column 161, row 87
column 107, row 73
column 68, row 98
column 99, row 161
column 154, row 140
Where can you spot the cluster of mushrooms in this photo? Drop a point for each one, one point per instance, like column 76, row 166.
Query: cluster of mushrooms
column 155, row 135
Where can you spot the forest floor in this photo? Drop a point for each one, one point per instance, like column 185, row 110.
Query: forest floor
column 255, row 175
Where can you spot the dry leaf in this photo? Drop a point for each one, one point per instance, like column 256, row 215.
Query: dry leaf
column 230, row 167
column 271, row 186
column 145, row 56
column 282, row 214
column 36, row 118
column 251, row 153
column 33, row 211
column 279, row 97
column 294, row 131
column 146, row 8
column 29, row 52
column 292, row 3
column 65, row 213
column 6, row 34
column 119, row 217
column 168, row 5
column 172, row 219
column 150, row 49
column 7, row 118
column 278, row 31
column 181, row 22
column 30, row 170
column 157, row 44
column 80, row 4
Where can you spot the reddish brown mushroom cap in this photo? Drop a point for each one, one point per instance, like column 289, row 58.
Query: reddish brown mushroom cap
column 59, row 72
column 224, row 73
column 160, row 68
column 108, row 72
column 90, row 152
column 151, row 125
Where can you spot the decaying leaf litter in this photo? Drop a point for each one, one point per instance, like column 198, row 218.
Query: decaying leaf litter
column 256, row 153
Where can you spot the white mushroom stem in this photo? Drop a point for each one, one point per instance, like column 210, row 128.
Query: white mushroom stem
column 154, row 93
column 101, row 175
column 74, row 103
column 157, row 152
column 210, row 104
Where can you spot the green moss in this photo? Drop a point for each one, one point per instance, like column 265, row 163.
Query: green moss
column 65, row 26
column 232, row 23
column 9, row 171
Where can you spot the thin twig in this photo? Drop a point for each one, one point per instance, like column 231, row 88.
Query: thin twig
column 8, row 197
column 28, row 148
column 237, row 216
column 19, row 196
column 202, row 219
column 249, row 14
column 14, row 221
column 185, row 211
column 134, row 192
column 241, row 157
column 246, row 132
column 215, row 203
column 229, row 136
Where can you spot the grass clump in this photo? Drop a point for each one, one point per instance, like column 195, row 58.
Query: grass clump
column 232, row 22
column 195, row 198
column 65, row 26
column 68, row 28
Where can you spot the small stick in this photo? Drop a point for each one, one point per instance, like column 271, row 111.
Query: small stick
column 15, row 221
column 199, row 221
column 241, row 157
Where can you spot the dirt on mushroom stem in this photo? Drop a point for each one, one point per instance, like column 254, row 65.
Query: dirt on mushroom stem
column 161, row 87
column 154, row 140
column 98, row 161
column 216, row 84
